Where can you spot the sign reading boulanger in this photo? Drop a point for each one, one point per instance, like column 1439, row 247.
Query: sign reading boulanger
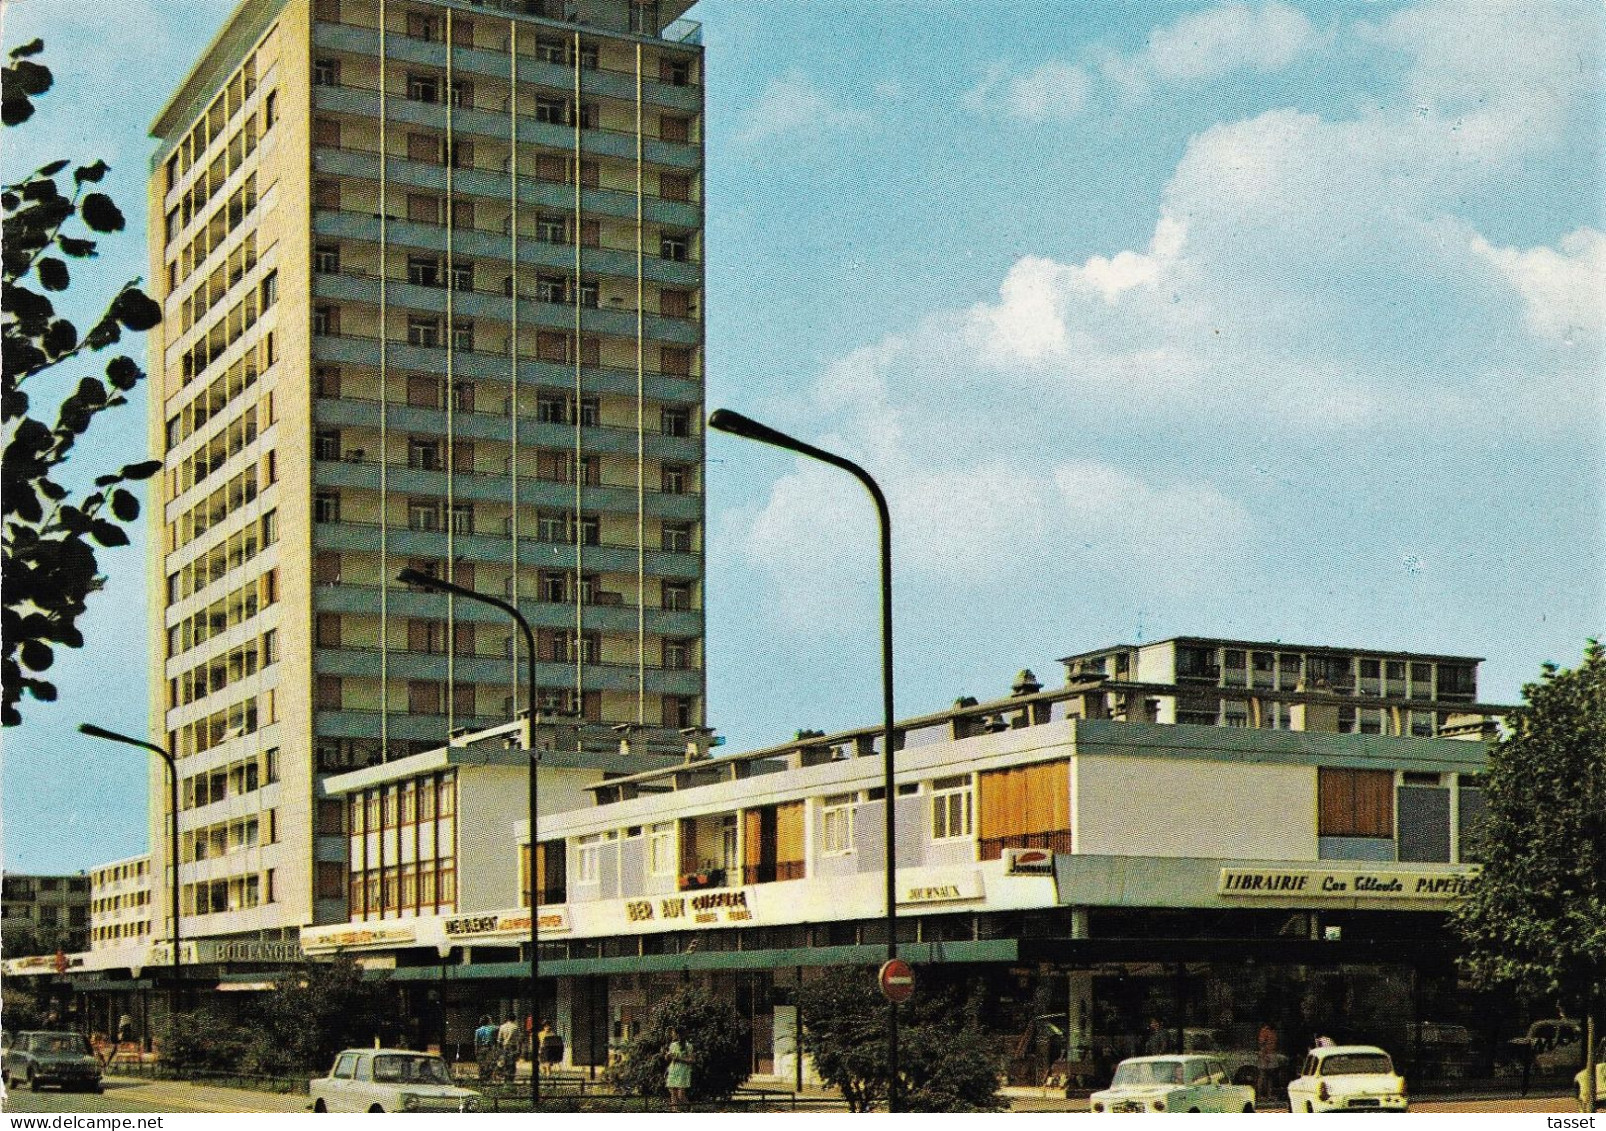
column 1345, row 883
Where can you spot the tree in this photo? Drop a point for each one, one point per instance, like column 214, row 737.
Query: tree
column 51, row 530
column 946, row 1062
column 721, row 1047
column 1536, row 919
column 313, row 1014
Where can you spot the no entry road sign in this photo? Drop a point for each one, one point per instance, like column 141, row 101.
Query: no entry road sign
column 897, row 980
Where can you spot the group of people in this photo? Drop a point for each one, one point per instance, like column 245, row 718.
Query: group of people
column 497, row 1048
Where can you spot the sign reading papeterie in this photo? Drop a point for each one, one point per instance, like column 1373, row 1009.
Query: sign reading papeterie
column 1345, row 883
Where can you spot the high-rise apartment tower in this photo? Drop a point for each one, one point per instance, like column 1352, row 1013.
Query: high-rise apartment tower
column 432, row 275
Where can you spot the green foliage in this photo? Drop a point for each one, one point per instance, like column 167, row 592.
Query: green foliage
column 718, row 1038
column 1536, row 920
column 21, row 939
column 20, row 1005
column 313, row 1014
column 946, row 1062
column 50, row 531
column 200, row 1040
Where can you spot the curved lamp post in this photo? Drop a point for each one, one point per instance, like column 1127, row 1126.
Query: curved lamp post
column 736, row 424
column 426, row 581
column 94, row 731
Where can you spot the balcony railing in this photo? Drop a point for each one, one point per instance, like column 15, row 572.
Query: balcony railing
column 528, row 295
column 501, row 355
column 603, row 484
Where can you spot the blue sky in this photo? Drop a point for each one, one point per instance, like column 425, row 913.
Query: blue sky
column 1262, row 319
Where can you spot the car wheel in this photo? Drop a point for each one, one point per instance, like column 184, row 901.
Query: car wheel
column 5, row 1077
column 1309, row 1110
column 320, row 1107
column 1247, row 1076
column 1249, row 1109
column 33, row 1081
column 376, row 1110
column 1193, row 1111
column 97, row 1088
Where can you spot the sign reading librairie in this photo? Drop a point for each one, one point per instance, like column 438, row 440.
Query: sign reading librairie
column 1345, row 883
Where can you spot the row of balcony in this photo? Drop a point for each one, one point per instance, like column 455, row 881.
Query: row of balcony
column 366, row 663
column 483, row 487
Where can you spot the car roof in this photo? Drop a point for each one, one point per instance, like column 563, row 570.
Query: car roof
column 388, row 1052
column 1167, row 1058
column 1341, row 1050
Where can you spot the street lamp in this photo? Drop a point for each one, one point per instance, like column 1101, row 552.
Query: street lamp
column 425, row 581
column 172, row 826
column 738, row 425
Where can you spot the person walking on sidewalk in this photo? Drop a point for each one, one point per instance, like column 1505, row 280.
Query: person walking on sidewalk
column 507, row 1040
column 485, row 1048
column 678, row 1079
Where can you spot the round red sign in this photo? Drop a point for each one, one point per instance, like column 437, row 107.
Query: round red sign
column 897, row 980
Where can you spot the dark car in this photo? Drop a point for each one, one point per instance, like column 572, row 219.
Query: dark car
column 59, row 1058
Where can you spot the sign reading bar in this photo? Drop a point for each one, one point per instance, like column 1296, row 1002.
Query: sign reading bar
column 1345, row 883
column 733, row 905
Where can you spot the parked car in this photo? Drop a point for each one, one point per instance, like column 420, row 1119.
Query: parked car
column 1551, row 1047
column 47, row 1057
column 1173, row 1083
column 1243, row 1064
column 1347, row 1078
column 1600, row 1079
column 370, row 1080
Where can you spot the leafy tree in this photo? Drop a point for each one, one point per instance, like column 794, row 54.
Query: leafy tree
column 200, row 1040
column 718, row 1037
column 51, row 530
column 22, row 939
column 1536, row 919
column 946, row 1063
column 313, row 1014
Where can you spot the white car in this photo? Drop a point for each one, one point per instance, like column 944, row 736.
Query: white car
column 1347, row 1078
column 369, row 1080
column 1173, row 1083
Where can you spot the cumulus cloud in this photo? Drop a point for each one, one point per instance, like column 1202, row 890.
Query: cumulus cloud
column 792, row 106
column 1054, row 90
column 1563, row 288
column 1201, row 46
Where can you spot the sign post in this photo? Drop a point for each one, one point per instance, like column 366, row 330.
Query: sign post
column 897, row 981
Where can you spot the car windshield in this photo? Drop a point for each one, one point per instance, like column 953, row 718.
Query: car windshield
column 1140, row 1072
column 59, row 1043
column 410, row 1070
column 1357, row 1064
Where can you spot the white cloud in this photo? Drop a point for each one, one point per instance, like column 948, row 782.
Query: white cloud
column 1052, row 91
column 792, row 106
column 1563, row 289
column 1202, row 46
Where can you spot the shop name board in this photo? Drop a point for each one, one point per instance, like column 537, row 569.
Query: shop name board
column 1345, row 883
column 944, row 890
column 248, row 950
column 360, row 936
column 699, row 910
column 1028, row 862
column 504, row 923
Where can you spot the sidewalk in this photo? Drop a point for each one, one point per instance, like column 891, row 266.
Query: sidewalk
column 178, row 1096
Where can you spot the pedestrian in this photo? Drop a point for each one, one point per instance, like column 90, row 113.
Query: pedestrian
column 507, row 1040
column 1158, row 1042
column 678, row 1078
column 485, row 1049
column 550, row 1045
column 1266, row 1055
column 125, row 1029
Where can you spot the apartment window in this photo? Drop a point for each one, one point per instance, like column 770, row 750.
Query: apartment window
column 551, row 409
column 425, row 27
column 662, row 859
column 674, row 479
column 677, row 248
column 590, row 412
column 425, row 455
column 329, row 694
column 459, row 153
column 952, row 806
column 423, row 697
column 463, row 334
column 588, row 859
column 270, row 110
column 326, row 444
column 1355, row 803
column 677, row 654
column 678, row 711
column 270, row 289
column 552, row 229
column 551, row 288
column 676, row 595
column 553, row 111
column 326, row 259
column 423, row 514
column 675, row 422
column 423, row 208
column 672, row 127
column 425, row 148
column 675, row 304
column 552, row 51
column 837, row 819
column 326, row 72
column 676, row 537
column 423, row 332
column 462, row 518
column 462, row 275
column 423, row 271
column 424, row 88
column 326, row 320
column 675, row 361
column 554, row 587
column 674, row 187
column 326, row 507
column 674, row 72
